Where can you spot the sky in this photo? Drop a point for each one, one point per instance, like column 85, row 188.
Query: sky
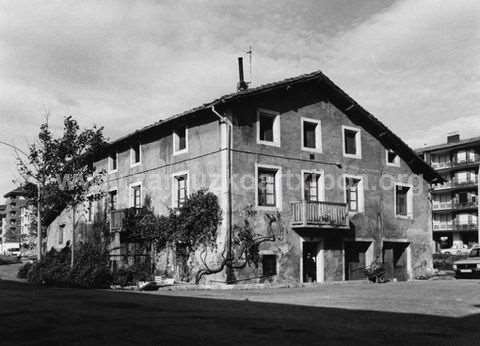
column 414, row 64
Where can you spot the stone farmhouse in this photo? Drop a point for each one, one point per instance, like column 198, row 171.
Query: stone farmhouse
column 346, row 190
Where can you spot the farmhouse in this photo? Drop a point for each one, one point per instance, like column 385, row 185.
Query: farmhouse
column 335, row 186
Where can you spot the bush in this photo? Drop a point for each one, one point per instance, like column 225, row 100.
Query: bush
column 23, row 271
column 130, row 275
column 89, row 269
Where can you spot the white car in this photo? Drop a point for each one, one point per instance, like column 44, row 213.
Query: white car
column 469, row 267
column 455, row 250
column 14, row 251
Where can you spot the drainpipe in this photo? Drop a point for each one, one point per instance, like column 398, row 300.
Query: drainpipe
column 229, row 124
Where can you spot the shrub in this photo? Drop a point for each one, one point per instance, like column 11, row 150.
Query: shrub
column 445, row 261
column 23, row 271
column 89, row 269
column 129, row 275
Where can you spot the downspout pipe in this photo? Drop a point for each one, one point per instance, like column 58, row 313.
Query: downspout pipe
column 229, row 124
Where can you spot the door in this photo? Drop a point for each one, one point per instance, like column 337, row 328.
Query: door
column 310, row 250
column 355, row 259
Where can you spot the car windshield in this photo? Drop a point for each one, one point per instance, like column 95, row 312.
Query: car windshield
column 475, row 253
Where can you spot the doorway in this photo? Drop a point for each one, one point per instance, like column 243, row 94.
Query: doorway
column 310, row 252
column 356, row 259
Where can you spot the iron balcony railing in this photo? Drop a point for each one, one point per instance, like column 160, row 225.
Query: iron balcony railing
column 446, row 185
column 465, row 205
column 471, row 226
column 306, row 213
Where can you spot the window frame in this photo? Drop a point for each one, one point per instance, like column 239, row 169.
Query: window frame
column 110, row 163
column 278, row 186
column 276, row 127
column 132, row 156
column 132, row 195
column 360, row 193
column 358, row 142
column 318, row 135
column 110, row 199
column 174, row 190
column 396, row 162
column 409, row 199
column 320, row 184
column 176, row 137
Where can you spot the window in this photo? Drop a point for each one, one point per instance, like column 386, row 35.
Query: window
column 61, row 230
column 352, row 187
column 90, row 210
column 112, row 199
column 135, row 155
column 268, row 128
column 266, row 187
column 392, row 158
column 180, row 140
column 351, row 142
column 403, row 200
column 112, row 162
column 269, row 265
column 136, row 195
column 312, row 186
column 311, row 135
column 180, row 190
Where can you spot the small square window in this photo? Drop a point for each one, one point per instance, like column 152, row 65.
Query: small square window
column 351, row 142
column 136, row 155
column 269, row 265
column 268, row 128
column 180, row 140
column 392, row 158
column 311, row 135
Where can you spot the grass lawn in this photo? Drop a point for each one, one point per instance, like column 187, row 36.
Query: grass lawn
column 49, row 316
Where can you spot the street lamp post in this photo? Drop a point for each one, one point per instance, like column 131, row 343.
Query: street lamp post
column 37, row 185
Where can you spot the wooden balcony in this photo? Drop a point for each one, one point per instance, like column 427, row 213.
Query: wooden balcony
column 319, row 214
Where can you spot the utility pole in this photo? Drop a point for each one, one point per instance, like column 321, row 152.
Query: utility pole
column 38, row 186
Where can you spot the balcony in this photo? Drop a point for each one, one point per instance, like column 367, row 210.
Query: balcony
column 465, row 205
column 466, row 163
column 444, row 226
column 319, row 214
column 466, row 227
column 441, row 165
column 465, row 183
column 118, row 217
column 446, row 185
column 442, row 205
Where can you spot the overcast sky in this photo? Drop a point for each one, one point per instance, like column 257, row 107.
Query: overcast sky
column 415, row 64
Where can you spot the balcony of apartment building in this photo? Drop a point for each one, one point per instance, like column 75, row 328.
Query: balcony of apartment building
column 444, row 186
column 464, row 183
column 465, row 204
column 466, row 227
column 118, row 218
column 442, row 205
column 439, row 165
column 470, row 161
column 313, row 214
column 443, row 226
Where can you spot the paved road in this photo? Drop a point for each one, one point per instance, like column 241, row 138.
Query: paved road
column 328, row 315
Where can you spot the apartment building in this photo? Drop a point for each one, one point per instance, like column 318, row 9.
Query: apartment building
column 301, row 148
column 3, row 215
column 15, row 201
column 455, row 201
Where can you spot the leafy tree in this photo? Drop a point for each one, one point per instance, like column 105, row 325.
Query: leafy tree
column 62, row 167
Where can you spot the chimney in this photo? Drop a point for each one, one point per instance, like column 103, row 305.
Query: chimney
column 242, row 85
column 453, row 137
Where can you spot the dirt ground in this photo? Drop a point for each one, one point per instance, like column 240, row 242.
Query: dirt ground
column 414, row 313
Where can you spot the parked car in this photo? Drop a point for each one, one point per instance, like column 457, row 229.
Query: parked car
column 14, row 251
column 469, row 267
column 456, row 250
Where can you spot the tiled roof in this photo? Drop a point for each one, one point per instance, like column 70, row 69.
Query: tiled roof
column 341, row 99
